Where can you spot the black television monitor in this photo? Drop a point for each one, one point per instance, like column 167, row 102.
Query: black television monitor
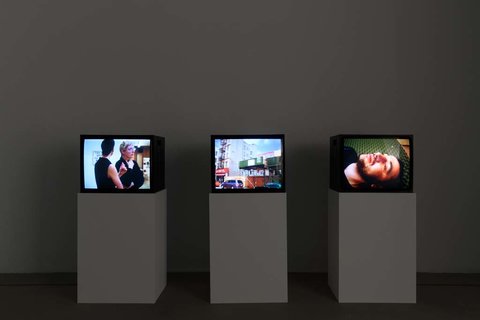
column 122, row 163
column 371, row 163
column 248, row 163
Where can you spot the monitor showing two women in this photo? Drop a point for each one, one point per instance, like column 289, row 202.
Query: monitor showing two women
column 122, row 163
column 371, row 163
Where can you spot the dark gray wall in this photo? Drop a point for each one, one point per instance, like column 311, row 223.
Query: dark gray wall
column 185, row 69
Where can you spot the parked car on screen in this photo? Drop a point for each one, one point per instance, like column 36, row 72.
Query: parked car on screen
column 232, row 184
column 273, row 185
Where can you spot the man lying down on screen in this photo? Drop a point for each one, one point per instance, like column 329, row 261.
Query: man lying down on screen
column 371, row 170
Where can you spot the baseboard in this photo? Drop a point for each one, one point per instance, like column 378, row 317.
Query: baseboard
column 36, row 279
column 448, row 279
column 70, row 278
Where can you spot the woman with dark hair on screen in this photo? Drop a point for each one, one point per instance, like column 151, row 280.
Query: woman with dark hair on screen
column 106, row 174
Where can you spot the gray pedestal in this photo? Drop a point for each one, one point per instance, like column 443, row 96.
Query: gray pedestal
column 372, row 246
column 122, row 246
column 248, row 248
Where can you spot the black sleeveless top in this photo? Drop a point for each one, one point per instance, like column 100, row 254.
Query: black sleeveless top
column 134, row 175
column 101, row 174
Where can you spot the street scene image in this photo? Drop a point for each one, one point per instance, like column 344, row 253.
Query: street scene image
column 248, row 164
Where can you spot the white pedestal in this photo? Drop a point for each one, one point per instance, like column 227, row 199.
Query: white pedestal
column 248, row 248
column 122, row 246
column 372, row 246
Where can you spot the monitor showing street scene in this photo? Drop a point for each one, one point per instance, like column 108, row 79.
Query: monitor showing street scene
column 248, row 163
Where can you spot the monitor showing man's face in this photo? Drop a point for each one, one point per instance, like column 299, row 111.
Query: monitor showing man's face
column 376, row 163
column 378, row 167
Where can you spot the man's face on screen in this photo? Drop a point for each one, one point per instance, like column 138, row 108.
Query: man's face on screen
column 378, row 167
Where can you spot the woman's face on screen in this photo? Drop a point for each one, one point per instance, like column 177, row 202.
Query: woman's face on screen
column 128, row 152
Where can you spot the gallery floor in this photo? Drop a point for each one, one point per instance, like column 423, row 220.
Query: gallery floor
column 187, row 297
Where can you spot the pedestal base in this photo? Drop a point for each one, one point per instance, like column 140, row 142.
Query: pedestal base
column 122, row 248
column 248, row 248
column 372, row 246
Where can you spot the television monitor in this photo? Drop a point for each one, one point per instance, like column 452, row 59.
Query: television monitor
column 122, row 163
column 247, row 163
column 371, row 163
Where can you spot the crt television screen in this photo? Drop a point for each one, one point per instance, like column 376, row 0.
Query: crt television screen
column 113, row 164
column 248, row 164
column 377, row 163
